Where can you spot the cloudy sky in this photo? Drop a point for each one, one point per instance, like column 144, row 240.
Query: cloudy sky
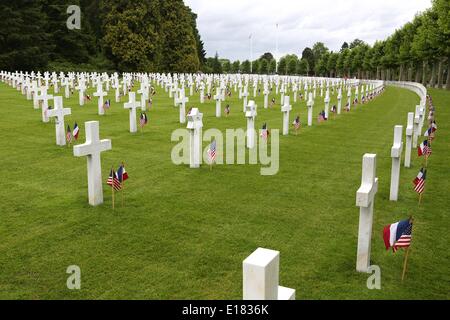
column 225, row 25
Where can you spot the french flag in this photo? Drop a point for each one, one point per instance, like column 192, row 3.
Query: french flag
column 76, row 131
column 393, row 232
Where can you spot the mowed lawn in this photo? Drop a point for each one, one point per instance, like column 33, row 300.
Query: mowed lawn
column 183, row 233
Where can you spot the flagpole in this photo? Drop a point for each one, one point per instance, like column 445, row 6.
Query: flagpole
column 251, row 53
column 123, row 184
column 405, row 264
column 112, row 189
column 276, row 52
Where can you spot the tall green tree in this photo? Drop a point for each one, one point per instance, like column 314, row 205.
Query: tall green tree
column 318, row 49
column 127, row 35
column 226, row 66
column 216, row 65
column 272, row 66
column 24, row 41
column 245, row 67
column 235, row 66
column 263, row 66
column 302, row 67
column 308, row 55
column 268, row 56
column 282, row 66
column 179, row 47
column 331, row 64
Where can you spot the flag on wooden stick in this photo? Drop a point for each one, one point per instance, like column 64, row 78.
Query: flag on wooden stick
column 113, row 181
column 212, row 152
column 419, row 181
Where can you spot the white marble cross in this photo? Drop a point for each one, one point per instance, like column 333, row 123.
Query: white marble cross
column 261, row 277
column 81, row 88
column 117, row 91
column 327, row 103
column 365, row 197
column 181, row 101
column 282, row 91
column 416, row 127
column 92, row 149
column 173, row 91
column 339, row 97
column 250, row 114
column 143, row 91
column 310, row 105
column 286, row 108
column 35, row 92
column 396, row 155
column 266, row 96
column 59, row 112
column 100, row 94
column 409, row 135
column 66, row 83
column 195, row 125
column 202, row 93
column 218, row 97
column 295, row 90
column 349, row 96
column 44, row 97
column 132, row 105
column 240, row 90
column 245, row 96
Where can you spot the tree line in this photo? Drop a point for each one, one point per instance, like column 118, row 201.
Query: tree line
column 115, row 35
column 419, row 51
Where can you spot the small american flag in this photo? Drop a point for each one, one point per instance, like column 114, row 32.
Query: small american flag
column 107, row 104
column 405, row 239
column 113, row 180
column 428, row 150
column 398, row 235
column 297, row 123
column 264, row 133
column 419, row 181
column 212, row 152
column 143, row 119
column 69, row 135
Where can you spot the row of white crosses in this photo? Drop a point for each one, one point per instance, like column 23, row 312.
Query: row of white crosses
column 365, row 196
column 92, row 148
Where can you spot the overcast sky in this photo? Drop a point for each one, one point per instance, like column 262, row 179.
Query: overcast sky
column 225, row 25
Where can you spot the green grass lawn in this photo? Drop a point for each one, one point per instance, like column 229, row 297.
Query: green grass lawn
column 183, row 233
